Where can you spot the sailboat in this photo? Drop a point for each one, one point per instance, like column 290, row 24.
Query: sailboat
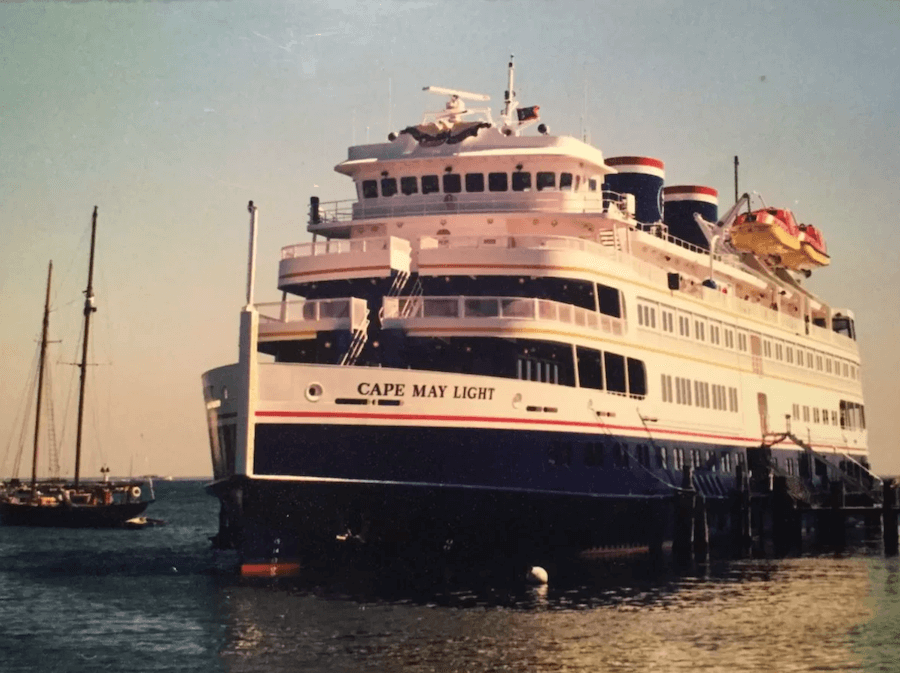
column 79, row 504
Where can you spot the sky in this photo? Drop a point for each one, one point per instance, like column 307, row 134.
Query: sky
column 171, row 116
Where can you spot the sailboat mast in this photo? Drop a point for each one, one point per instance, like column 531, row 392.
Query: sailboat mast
column 88, row 309
column 40, row 390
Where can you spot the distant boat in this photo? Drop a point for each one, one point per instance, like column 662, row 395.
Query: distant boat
column 97, row 504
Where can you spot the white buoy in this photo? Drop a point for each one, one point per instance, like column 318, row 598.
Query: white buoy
column 537, row 575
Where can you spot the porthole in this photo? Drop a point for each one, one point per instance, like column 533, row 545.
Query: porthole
column 313, row 392
column 517, row 401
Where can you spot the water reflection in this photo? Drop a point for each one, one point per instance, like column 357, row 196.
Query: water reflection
column 789, row 615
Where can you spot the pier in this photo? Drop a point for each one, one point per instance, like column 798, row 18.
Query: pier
column 771, row 512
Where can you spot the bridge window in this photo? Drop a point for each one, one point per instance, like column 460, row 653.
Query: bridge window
column 452, row 183
column 637, row 378
column 498, row 182
column 409, row 185
column 615, row 373
column 388, row 186
column 610, row 303
column 521, row 181
column 370, row 189
column 565, row 181
column 546, row 180
column 474, row 182
column 590, row 368
column 430, row 184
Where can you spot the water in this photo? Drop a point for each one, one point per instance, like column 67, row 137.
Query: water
column 157, row 600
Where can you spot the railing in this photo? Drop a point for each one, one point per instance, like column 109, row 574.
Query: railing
column 337, row 247
column 532, row 242
column 515, row 308
column 351, row 309
column 332, row 212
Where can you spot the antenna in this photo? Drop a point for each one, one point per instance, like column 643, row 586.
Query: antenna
column 510, row 92
column 454, row 92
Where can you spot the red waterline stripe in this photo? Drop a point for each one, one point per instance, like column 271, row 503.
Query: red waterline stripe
column 483, row 419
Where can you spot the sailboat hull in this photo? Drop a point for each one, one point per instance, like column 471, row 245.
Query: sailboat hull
column 70, row 516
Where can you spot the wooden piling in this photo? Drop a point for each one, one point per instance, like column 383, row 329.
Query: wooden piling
column 683, row 542
column 701, row 530
column 786, row 528
column 741, row 531
column 838, row 523
column 889, row 518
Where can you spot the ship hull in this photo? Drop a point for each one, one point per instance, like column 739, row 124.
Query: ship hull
column 70, row 516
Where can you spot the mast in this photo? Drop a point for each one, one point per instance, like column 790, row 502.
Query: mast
column 88, row 309
column 40, row 390
column 510, row 92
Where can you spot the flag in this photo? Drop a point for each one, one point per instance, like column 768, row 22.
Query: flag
column 528, row 113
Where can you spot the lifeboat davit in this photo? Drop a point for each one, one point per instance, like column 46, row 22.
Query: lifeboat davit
column 770, row 232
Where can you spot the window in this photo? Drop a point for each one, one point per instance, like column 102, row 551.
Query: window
column 815, row 414
column 805, row 414
column 498, row 182
column 409, row 185
column 590, row 368
column 699, row 330
column 729, row 338
column 819, row 362
column 452, row 183
column 370, row 189
column 668, row 320
column 521, row 181
column 682, row 391
column 615, row 372
column 733, row 400
column 677, row 459
column 593, row 454
column 662, row 458
column 742, row 342
column 767, row 348
column 809, row 359
column 684, row 326
column 714, row 331
column 825, row 416
column 430, row 184
column 796, row 413
column 779, row 351
column 834, row 420
column 789, row 355
column 388, row 186
column 609, row 301
column 474, row 182
column 565, row 181
column 637, row 378
column 592, row 184
column 531, row 369
column 545, row 180
column 666, row 387
column 827, row 365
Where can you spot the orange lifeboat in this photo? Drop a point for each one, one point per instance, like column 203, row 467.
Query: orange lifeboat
column 812, row 245
column 769, row 232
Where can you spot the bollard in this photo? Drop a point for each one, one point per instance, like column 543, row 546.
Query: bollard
column 889, row 517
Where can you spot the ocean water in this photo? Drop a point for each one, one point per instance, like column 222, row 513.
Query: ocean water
column 159, row 600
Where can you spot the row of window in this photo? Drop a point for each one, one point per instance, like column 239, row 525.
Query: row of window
column 707, row 330
column 852, row 415
column 611, row 372
column 453, row 183
column 652, row 456
column 705, row 395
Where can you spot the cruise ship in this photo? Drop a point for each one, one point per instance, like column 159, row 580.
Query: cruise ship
column 509, row 342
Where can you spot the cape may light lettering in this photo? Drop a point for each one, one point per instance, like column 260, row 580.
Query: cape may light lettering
column 370, row 389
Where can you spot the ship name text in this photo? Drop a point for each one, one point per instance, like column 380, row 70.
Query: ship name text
column 369, row 389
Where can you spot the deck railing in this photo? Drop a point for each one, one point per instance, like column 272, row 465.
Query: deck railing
column 336, row 212
column 511, row 308
column 351, row 309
